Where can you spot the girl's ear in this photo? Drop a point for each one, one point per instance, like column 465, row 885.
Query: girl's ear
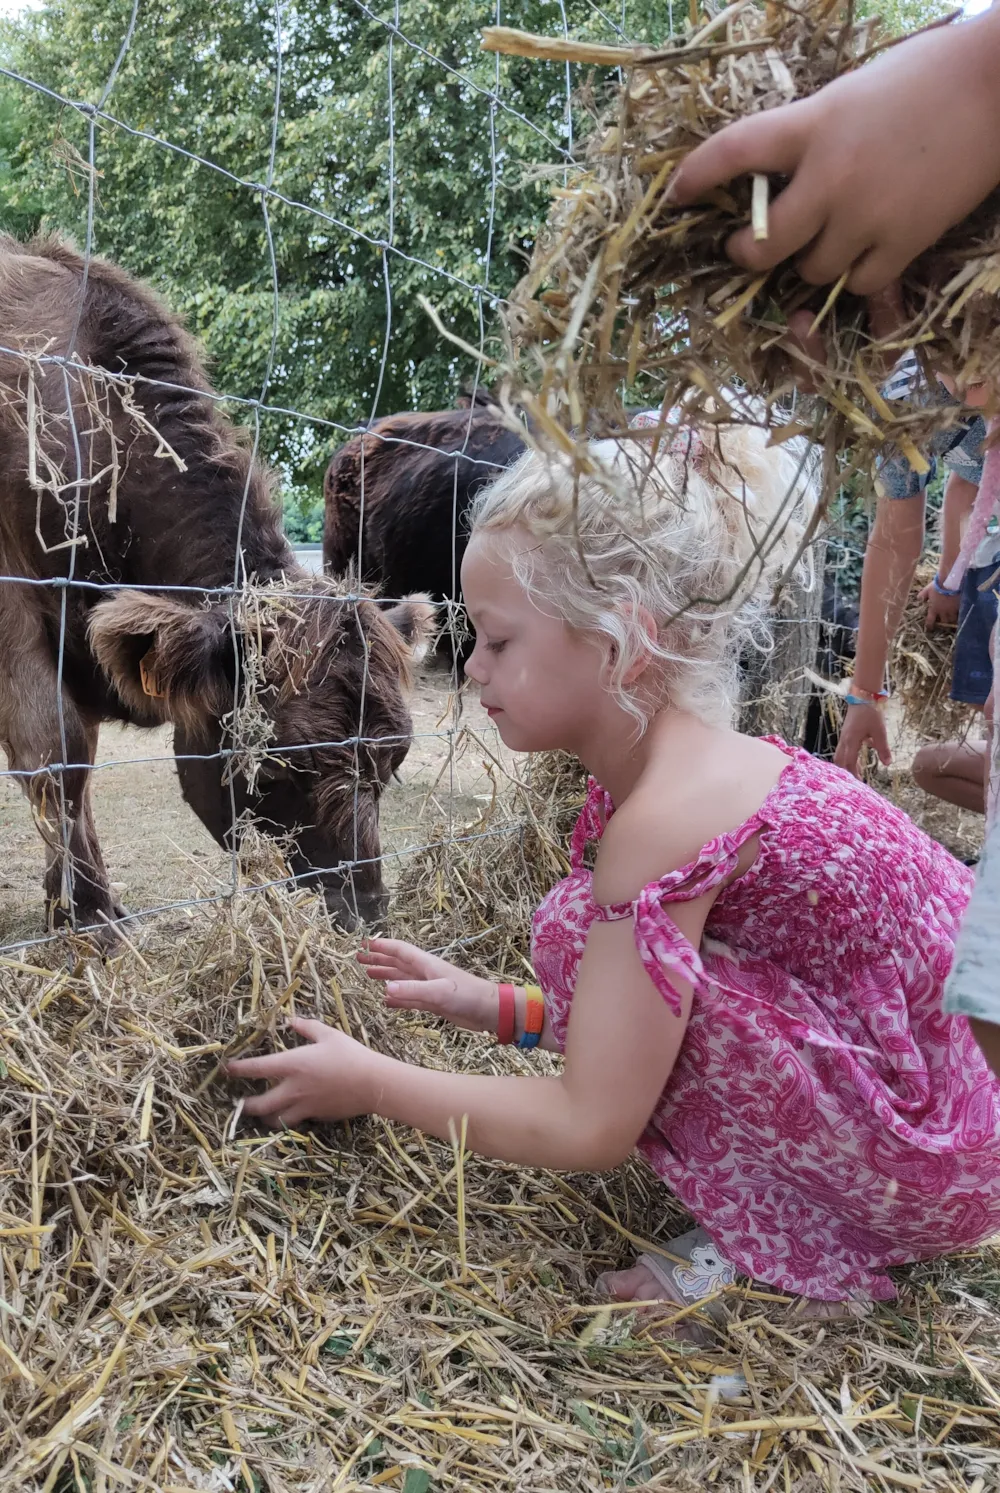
column 647, row 622
column 645, row 619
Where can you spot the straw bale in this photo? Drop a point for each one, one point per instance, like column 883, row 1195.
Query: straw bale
column 629, row 297
column 192, row 1303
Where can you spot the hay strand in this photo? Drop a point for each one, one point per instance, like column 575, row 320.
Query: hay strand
column 921, row 666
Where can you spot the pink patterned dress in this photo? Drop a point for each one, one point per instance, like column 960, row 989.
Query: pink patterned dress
column 824, row 1119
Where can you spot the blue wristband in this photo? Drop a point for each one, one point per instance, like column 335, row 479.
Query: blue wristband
column 856, row 700
column 529, row 1040
column 943, row 590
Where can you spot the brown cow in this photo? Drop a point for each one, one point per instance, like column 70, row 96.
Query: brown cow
column 396, row 498
column 118, row 471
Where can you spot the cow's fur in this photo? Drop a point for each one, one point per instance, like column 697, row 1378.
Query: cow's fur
column 153, row 487
column 398, row 510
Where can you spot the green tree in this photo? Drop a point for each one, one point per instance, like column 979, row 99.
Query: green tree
column 203, row 78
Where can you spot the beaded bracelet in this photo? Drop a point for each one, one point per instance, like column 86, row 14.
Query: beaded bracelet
column 943, row 590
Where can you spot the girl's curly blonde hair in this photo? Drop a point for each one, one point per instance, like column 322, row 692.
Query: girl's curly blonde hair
column 690, row 529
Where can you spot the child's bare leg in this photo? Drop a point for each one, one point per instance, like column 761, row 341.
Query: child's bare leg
column 953, row 771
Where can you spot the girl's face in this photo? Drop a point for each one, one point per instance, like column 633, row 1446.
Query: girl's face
column 541, row 681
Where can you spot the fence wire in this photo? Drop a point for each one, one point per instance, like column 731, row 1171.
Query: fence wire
column 72, row 368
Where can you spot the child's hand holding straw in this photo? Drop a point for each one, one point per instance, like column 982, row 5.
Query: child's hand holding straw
column 878, row 170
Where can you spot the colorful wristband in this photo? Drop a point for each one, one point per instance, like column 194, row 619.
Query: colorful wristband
column 534, row 1016
column 505, row 1015
column 943, row 590
column 853, row 695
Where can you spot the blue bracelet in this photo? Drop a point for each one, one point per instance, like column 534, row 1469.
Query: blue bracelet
column 943, row 590
column 856, row 700
column 529, row 1040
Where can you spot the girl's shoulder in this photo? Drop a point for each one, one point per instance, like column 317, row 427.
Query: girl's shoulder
column 680, row 814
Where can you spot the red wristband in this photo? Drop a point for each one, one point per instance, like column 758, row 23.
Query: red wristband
column 505, row 1016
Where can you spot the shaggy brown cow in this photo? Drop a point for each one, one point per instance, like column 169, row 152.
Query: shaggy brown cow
column 114, row 483
column 415, row 501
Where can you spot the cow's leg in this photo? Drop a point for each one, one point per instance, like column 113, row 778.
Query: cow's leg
column 77, row 892
column 91, row 889
column 76, row 881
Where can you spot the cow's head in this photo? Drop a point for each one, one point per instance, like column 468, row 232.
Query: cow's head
column 320, row 720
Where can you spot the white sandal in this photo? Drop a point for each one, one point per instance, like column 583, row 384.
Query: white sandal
column 691, row 1268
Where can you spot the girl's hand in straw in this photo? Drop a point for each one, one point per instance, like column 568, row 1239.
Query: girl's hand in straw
column 806, row 344
column 879, row 163
column 415, row 981
column 332, row 1078
column 864, row 725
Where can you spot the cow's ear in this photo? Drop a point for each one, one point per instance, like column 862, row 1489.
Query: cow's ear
column 168, row 661
column 415, row 619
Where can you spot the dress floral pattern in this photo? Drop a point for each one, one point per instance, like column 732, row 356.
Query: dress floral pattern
column 824, row 1119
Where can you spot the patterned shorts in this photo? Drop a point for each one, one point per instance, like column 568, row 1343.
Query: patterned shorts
column 960, row 449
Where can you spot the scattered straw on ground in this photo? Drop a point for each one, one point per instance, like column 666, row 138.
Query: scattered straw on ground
column 630, row 296
column 190, row 1303
column 958, row 830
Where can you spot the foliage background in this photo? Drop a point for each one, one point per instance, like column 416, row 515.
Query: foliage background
column 202, row 76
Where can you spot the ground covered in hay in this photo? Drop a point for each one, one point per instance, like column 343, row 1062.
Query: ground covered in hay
column 190, row 1302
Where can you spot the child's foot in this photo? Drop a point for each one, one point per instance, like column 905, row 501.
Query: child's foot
column 689, row 1270
column 692, row 1269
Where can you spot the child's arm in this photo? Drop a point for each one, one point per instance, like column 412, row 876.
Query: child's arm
column 621, row 1046
column 891, row 557
column 959, row 496
column 881, row 161
column 417, row 981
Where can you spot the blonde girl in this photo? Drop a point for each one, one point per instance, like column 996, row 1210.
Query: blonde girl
column 748, row 985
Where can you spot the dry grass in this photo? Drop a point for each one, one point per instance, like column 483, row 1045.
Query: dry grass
column 958, row 830
column 631, row 296
column 190, row 1303
column 481, row 900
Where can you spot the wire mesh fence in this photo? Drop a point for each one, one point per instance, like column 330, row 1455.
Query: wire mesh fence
column 91, row 415
column 204, row 710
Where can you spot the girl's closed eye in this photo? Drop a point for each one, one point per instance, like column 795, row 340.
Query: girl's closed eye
column 496, row 647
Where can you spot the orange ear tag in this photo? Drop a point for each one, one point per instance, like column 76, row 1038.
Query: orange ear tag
column 147, row 673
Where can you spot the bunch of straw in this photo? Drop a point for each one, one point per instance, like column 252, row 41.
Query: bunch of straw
column 481, row 900
column 191, row 1304
column 629, row 296
column 921, row 667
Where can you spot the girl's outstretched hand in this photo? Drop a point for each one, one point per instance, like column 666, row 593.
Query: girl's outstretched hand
column 333, row 1078
column 416, row 981
column 879, row 163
